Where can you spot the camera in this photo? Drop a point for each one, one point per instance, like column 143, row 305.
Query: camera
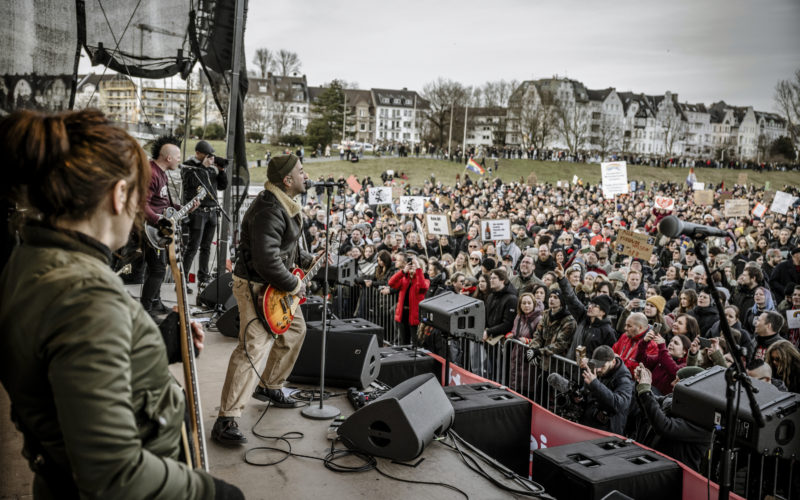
column 704, row 342
column 221, row 162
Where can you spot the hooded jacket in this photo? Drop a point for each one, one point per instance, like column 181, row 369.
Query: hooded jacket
column 501, row 309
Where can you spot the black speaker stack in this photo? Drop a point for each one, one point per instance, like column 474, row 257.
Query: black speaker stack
column 218, row 292
column 399, row 364
column 454, row 314
column 593, row 469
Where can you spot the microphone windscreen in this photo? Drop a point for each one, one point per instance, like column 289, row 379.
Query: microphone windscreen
column 670, row 226
column 558, row 382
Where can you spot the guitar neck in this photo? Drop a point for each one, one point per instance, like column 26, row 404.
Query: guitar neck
column 314, row 269
column 180, row 214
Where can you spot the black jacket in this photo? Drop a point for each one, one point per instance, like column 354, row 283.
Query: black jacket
column 706, row 318
column 194, row 174
column 608, row 400
column 501, row 309
column 268, row 246
column 590, row 332
column 783, row 274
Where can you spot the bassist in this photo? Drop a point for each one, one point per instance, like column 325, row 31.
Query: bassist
column 268, row 250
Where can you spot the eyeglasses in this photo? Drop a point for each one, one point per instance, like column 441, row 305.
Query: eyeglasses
column 474, row 258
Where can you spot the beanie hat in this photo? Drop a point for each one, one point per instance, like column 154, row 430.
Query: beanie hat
column 279, row 167
column 489, row 263
column 658, row 302
column 602, row 301
column 616, row 276
column 689, row 371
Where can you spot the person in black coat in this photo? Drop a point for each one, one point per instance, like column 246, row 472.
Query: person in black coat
column 501, row 309
column 784, row 273
column 594, row 328
column 609, row 389
column 674, row 436
column 705, row 313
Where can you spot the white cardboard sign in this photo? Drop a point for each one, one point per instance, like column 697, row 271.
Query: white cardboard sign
column 615, row 178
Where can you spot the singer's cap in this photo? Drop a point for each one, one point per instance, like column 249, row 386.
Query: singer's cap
column 280, row 166
column 204, row 147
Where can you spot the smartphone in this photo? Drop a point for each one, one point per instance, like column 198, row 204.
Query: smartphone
column 657, row 328
column 704, row 342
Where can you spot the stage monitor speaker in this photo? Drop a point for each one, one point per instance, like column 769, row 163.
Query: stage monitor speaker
column 351, row 360
column 591, row 471
column 341, row 271
column 312, row 308
column 399, row 424
column 455, row 314
column 219, row 291
column 701, row 399
column 228, row 323
column 351, row 325
column 401, row 363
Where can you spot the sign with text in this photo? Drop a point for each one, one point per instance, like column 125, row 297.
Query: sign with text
column 637, row 245
column 698, row 186
column 742, row 180
column 737, row 208
column 437, row 224
column 793, row 318
column 704, row 197
column 759, row 210
column 379, row 195
column 411, row 205
column 495, row 229
column 782, row 202
column 532, row 179
column 614, row 177
column 725, row 195
column 664, row 203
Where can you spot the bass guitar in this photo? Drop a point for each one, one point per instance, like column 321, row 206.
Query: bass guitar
column 198, row 457
column 154, row 236
column 279, row 306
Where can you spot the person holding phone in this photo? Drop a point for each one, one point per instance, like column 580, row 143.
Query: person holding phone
column 609, row 388
column 412, row 285
column 669, row 358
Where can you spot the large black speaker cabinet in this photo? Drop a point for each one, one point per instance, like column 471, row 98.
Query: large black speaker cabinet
column 593, row 469
column 350, row 325
column 342, row 271
column 401, row 363
column 351, row 360
column 510, row 415
column 701, row 399
column 455, row 314
column 312, row 308
column 219, row 291
column 228, row 323
column 399, row 424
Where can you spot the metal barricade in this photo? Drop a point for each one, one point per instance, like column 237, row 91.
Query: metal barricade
column 529, row 378
column 377, row 308
column 759, row 476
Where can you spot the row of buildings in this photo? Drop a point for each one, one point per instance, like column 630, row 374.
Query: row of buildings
column 545, row 114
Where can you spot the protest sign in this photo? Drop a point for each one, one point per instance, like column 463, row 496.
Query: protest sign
column 532, row 179
column 495, row 229
column 793, row 318
column 379, row 195
column 782, row 202
column 698, row 186
column 737, row 208
column 637, row 245
column 725, row 195
column 353, row 183
column 704, row 197
column 437, row 224
column 411, row 205
column 759, row 210
column 664, row 203
column 574, row 179
column 614, row 177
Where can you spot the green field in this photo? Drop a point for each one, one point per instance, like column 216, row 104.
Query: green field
column 420, row 169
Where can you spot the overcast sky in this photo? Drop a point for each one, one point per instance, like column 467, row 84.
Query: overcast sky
column 734, row 50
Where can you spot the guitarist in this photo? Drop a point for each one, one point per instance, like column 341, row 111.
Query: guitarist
column 268, row 250
column 166, row 156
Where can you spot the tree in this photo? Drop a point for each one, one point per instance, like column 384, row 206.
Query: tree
column 534, row 109
column 787, row 98
column 256, row 118
column 444, row 96
column 329, row 108
column 495, row 94
column 264, row 60
column 287, row 62
column 608, row 135
column 277, row 113
column 782, row 146
column 572, row 123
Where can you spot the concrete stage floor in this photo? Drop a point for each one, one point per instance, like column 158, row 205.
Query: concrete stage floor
column 297, row 478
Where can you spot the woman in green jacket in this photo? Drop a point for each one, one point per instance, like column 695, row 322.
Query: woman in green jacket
column 84, row 365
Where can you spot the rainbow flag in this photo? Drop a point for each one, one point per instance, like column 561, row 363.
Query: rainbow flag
column 474, row 167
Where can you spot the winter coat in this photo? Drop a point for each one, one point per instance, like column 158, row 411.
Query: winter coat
column 661, row 365
column 590, row 332
column 555, row 332
column 608, row 400
column 783, row 274
column 501, row 309
column 625, row 347
column 706, row 317
column 416, row 286
column 523, row 330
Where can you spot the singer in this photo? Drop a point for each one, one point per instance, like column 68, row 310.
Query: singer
column 268, row 249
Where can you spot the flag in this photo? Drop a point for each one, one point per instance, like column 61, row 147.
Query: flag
column 473, row 166
column 691, row 178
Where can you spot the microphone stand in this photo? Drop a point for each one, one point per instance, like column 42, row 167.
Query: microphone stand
column 735, row 378
column 323, row 411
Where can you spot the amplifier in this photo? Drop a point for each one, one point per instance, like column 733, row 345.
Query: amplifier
column 312, row 308
column 399, row 364
column 350, row 325
column 455, row 314
column 342, row 271
column 701, row 399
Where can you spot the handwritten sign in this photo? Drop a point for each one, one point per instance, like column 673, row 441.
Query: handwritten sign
column 664, row 203
column 353, row 183
column 742, row 180
column 759, row 210
column 379, row 195
column 782, row 202
column 411, row 205
column 495, row 229
column 637, row 245
column 574, row 179
column 698, row 186
column 793, row 318
column 437, row 224
column 737, row 208
column 704, row 197
column 614, row 177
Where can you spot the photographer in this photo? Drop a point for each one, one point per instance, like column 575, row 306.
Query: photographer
column 202, row 170
column 609, row 389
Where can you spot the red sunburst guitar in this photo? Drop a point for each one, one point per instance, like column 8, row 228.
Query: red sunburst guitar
column 279, row 306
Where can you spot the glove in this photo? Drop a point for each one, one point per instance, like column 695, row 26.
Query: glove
column 165, row 228
column 226, row 491
column 529, row 355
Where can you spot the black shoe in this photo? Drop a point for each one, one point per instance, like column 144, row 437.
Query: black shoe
column 159, row 307
column 189, row 290
column 226, row 431
column 202, row 286
column 274, row 396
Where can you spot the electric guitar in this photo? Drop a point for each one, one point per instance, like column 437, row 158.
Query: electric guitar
column 154, row 236
column 198, row 457
column 280, row 306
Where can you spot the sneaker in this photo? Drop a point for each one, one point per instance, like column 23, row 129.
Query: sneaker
column 226, row 431
column 202, row 286
column 274, row 396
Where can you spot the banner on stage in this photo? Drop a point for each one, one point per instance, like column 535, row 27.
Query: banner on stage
column 495, row 229
column 665, row 203
column 637, row 245
column 782, row 202
column 379, row 195
column 438, row 224
column 614, row 177
column 737, row 208
column 411, row 205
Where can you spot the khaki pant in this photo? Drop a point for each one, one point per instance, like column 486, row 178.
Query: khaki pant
column 241, row 378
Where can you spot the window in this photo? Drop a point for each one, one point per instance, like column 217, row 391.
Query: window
column 363, row 127
column 385, row 100
column 397, row 100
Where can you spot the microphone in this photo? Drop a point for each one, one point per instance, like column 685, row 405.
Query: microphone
column 673, row 227
column 311, row 184
column 559, row 383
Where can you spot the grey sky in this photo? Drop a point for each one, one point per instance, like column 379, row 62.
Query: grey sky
column 735, row 50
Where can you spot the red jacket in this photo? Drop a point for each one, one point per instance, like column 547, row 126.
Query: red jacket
column 663, row 367
column 419, row 285
column 625, row 348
